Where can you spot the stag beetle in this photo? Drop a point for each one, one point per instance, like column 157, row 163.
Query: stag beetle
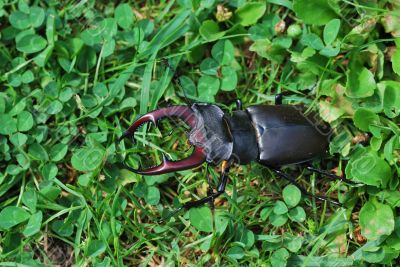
column 272, row 135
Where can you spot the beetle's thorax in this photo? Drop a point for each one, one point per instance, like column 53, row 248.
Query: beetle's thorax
column 211, row 132
column 224, row 136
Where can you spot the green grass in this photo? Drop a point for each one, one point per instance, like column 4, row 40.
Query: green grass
column 75, row 75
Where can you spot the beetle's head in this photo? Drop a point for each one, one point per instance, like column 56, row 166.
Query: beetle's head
column 209, row 135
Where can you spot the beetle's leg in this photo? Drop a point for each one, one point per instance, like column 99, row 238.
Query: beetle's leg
column 220, row 189
column 329, row 175
column 223, row 179
column 278, row 99
column 210, row 190
column 302, row 189
column 239, row 105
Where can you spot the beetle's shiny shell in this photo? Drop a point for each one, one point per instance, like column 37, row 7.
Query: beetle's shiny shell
column 286, row 136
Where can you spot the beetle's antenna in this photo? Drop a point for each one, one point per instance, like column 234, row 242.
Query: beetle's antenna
column 175, row 78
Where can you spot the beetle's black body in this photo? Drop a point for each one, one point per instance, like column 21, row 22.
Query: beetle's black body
column 272, row 135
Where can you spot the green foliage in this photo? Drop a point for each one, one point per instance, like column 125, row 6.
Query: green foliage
column 75, row 75
column 284, row 210
column 291, row 194
column 317, row 12
column 201, row 218
column 376, row 220
column 11, row 216
column 249, row 13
